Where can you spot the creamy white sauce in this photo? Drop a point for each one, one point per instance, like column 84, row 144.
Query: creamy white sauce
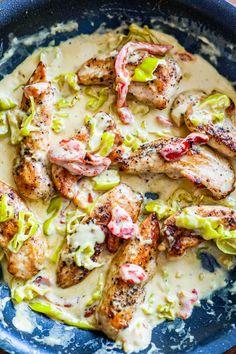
column 24, row 320
column 83, row 242
column 88, row 233
column 173, row 275
column 3, row 303
column 57, row 336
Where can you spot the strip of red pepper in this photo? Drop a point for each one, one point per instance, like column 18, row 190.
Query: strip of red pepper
column 123, row 77
column 174, row 151
column 69, row 153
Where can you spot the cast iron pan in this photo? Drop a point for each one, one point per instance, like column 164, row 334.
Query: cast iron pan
column 211, row 329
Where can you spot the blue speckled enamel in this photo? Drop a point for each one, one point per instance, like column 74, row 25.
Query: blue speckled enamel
column 214, row 19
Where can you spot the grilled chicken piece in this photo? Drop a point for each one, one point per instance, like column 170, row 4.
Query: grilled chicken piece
column 179, row 239
column 97, row 72
column 222, row 136
column 31, row 170
column 201, row 165
column 181, row 104
column 29, row 260
column 120, row 298
column 154, row 93
column 68, row 273
column 65, row 182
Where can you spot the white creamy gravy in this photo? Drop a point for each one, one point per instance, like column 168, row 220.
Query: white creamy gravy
column 172, row 276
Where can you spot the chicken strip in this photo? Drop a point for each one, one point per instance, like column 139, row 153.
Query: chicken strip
column 189, row 107
column 179, row 239
column 67, row 183
column 68, row 273
column 181, row 104
column 222, row 135
column 156, row 93
column 29, row 259
column 201, row 165
column 30, row 169
column 121, row 297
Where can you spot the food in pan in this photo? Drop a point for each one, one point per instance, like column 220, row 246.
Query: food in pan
column 117, row 207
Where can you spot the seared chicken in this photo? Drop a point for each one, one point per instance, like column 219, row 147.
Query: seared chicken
column 222, row 136
column 178, row 239
column 67, row 183
column 201, row 165
column 121, row 298
column 68, row 273
column 156, row 93
column 29, row 260
column 181, row 103
column 30, row 170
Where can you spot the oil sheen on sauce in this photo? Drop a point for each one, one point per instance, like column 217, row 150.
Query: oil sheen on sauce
column 173, row 275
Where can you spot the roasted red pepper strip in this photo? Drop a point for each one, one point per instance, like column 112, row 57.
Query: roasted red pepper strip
column 69, row 153
column 123, row 77
column 121, row 223
column 174, row 151
column 132, row 273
